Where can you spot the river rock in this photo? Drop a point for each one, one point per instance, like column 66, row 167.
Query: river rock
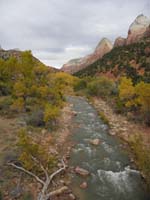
column 72, row 197
column 112, row 132
column 84, row 185
column 95, row 142
column 81, row 171
column 74, row 113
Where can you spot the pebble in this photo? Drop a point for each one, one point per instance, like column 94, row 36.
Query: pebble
column 84, row 185
column 72, row 197
column 81, row 171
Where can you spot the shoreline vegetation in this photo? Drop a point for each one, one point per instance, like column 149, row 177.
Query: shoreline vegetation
column 119, row 108
column 33, row 111
column 135, row 137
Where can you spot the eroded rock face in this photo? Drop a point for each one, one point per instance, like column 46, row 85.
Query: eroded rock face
column 76, row 65
column 137, row 29
column 147, row 32
column 119, row 42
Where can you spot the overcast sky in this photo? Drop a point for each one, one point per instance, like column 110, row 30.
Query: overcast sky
column 59, row 30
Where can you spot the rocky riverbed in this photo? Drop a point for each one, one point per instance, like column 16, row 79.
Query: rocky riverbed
column 101, row 157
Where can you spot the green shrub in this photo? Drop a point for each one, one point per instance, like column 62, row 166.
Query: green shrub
column 80, row 85
column 119, row 106
column 142, row 155
column 4, row 89
column 101, row 86
column 29, row 148
column 36, row 118
column 5, row 103
column 27, row 196
column 103, row 117
column 51, row 113
column 1, row 198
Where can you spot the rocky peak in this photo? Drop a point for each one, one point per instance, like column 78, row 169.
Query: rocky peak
column 104, row 45
column 141, row 21
column 137, row 29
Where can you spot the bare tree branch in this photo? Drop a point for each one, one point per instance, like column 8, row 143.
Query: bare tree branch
column 43, row 195
column 58, row 171
column 49, row 179
column 57, row 192
column 41, row 166
column 26, row 171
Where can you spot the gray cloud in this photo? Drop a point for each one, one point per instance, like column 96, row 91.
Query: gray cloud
column 59, row 30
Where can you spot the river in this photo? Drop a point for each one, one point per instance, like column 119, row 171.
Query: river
column 111, row 176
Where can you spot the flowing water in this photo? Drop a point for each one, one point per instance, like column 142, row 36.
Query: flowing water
column 111, row 177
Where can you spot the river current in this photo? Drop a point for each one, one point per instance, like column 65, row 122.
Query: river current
column 111, row 176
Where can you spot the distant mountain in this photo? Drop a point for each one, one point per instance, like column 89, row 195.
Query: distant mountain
column 137, row 30
column 75, row 65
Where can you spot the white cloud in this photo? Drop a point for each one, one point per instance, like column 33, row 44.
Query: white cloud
column 59, row 30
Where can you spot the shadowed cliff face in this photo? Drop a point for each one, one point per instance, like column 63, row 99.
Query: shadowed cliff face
column 119, row 42
column 137, row 30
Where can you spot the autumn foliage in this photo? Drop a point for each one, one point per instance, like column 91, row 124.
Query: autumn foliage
column 32, row 89
column 137, row 96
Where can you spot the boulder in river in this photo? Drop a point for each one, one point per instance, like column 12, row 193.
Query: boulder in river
column 84, row 185
column 95, row 141
column 81, row 171
column 74, row 113
column 71, row 196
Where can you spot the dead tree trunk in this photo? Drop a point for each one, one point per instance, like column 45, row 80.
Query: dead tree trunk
column 44, row 193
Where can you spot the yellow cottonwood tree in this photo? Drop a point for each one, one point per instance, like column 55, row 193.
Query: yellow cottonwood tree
column 127, row 91
column 51, row 113
column 143, row 92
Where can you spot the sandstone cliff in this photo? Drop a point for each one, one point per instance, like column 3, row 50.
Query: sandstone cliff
column 75, row 65
column 137, row 29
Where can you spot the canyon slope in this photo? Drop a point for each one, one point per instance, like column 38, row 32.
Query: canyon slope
column 137, row 30
column 75, row 65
